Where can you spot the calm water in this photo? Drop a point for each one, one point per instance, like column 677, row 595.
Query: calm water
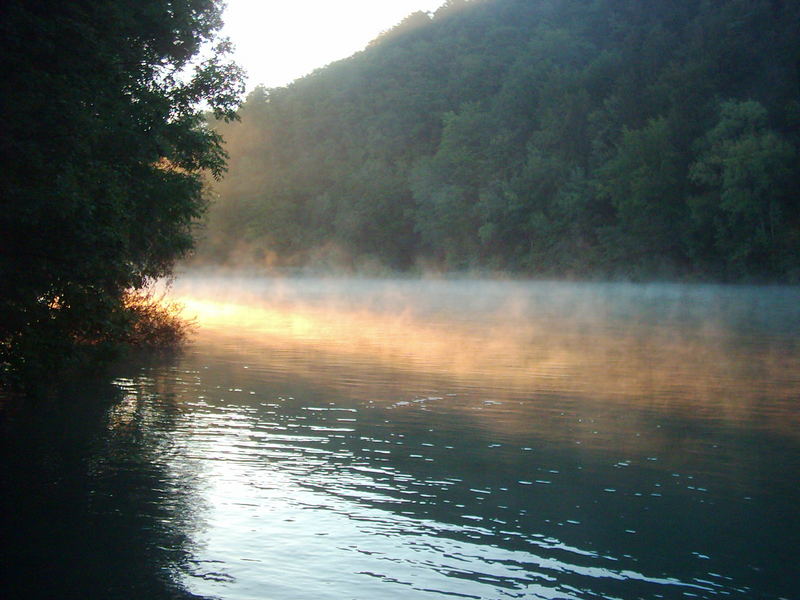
column 372, row 440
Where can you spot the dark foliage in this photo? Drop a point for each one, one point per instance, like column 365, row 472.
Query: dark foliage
column 104, row 151
column 551, row 137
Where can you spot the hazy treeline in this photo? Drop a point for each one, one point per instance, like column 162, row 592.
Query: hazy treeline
column 553, row 137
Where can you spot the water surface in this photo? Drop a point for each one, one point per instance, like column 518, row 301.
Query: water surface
column 375, row 439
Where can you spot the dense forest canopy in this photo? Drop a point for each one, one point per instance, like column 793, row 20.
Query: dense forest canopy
column 104, row 152
column 546, row 137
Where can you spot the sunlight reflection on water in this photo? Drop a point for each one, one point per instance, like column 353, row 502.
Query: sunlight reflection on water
column 598, row 341
column 372, row 439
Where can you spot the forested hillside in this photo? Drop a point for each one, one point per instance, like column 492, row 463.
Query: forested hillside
column 561, row 138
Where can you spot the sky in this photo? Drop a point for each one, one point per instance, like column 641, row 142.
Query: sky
column 278, row 41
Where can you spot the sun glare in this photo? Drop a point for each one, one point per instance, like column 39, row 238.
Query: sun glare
column 278, row 42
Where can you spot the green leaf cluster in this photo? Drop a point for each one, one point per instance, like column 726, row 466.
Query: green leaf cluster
column 104, row 148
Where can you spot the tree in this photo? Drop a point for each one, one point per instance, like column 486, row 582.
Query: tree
column 104, row 147
column 644, row 183
column 749, row 175
column 446, row 187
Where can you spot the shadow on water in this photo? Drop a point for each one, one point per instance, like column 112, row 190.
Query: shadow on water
column 90, row 506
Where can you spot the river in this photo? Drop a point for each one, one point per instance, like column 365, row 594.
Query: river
column 376, row 439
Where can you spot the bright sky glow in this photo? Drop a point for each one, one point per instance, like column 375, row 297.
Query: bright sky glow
column 278, row 41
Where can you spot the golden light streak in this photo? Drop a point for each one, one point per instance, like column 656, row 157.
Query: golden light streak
column 641, row 365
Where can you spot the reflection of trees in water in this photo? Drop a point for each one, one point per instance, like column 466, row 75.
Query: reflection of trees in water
column 90, row 506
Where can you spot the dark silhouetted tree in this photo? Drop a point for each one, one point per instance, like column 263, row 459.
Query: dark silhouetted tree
column 104, row 149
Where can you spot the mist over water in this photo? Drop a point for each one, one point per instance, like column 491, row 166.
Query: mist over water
column 617, row 342
column 374, row 438
column 500, row 439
